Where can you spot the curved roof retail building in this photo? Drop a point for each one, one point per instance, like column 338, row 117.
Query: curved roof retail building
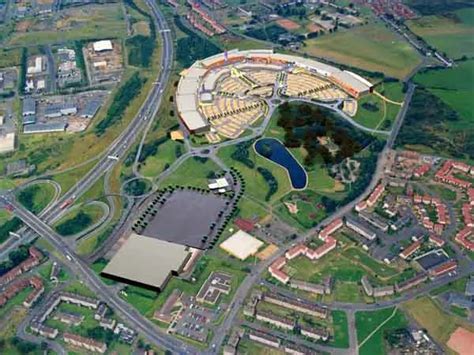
column 227, row 92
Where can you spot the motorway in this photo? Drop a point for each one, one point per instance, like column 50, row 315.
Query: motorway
column 145, row 327
column 117, row 150
column 128, row 137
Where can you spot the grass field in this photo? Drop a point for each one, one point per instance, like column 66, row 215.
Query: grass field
column 429, row 315
column 372, row 47
column 71, row 223
column 192, row 173
column 382, row 113
column 308, row 215
column 256, row 186
column 454, row 87
column 365, row 260
column 36, row 197
column 165, row 156
column 453, row 34
column 369, row 321
column 89, row 22
column 4, row 216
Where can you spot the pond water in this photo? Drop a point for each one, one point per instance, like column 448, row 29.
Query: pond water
column 274, row 150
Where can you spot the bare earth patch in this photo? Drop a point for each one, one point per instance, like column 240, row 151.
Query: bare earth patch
column 461, row 341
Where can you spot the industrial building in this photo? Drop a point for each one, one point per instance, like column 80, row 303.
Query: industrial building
column 148, row 262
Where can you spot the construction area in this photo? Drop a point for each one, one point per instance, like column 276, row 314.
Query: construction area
column 223, row 95
column 104, row 61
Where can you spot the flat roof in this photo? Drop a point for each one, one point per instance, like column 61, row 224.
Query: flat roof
column 146, row 261
column 104, row 45
column 241, row 245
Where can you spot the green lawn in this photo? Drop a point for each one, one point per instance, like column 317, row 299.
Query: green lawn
column 256, row 186
column 364, row 259
column 250, row 209
column 89, row 22
column 454, row 87
column 332, row 264
column 371, row 47
column 4, row 216
column 341, row 330
column 367, row 322
column 192, row 173
column 79, row 219
column 374, row 112
column 453, row 35
column 349, row 292
column 166, row 155
column 36, row 197
column 308, row 215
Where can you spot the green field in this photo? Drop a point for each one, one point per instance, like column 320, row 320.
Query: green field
column 192, row 172
column 156, row 164
column 79, row 220
column 454, row 87
column 256, row 186
column 362, row 258
column 308, row 215
column 452, row 33
column 374, row 112
column 89, row 22
column 371, row 47
column 368, row 321
column 36, row 197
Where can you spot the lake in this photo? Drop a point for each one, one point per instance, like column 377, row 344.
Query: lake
column 275, row 151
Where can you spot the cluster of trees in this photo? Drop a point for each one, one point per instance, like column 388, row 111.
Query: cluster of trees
column 435, row 7
column 101, row 334
column 193, row 47
column 23, row 68
column 27, row 198
column 9, row 226
column 427, row 122
column 370, row 106
column 269, row 33
column 75, row 224
column 15, row 257
column 304, row 123
column 242, row 154
column 137, row 187
column 292, row 10
column 141, row 47
column 271, row 182
column 141, row 50
column 367, row 169
column 151, row 148
column 125, row 94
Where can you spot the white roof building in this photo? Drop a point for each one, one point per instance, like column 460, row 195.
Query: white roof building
column 241, row 245
column 104, row 45
column 7, row 142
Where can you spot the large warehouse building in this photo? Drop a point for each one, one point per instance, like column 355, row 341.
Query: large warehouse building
column 226, row 93
column 147, row 262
